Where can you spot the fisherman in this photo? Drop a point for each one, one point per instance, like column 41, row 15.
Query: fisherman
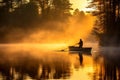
column 80, row 43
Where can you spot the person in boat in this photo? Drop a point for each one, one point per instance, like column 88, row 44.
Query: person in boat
column 80, row 43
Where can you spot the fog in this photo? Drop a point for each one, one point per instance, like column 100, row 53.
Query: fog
column 61, row 32
column 57, row 33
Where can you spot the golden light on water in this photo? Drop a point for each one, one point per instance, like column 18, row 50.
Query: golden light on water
column 84, row 71
column 42, row 53
column 34, row 46
column 82, row 74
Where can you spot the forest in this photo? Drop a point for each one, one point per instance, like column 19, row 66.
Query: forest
column 24, row 15
column 107, row 26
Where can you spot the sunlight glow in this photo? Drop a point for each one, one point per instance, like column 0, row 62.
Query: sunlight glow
column 58, row 34
column 85, row 71
column 63, row 32
column 32, row 46
column 81, row 5
column 82, row 74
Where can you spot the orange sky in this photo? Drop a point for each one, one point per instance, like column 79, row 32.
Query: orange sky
column 80, row 4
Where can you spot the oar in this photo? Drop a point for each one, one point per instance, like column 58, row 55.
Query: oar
column 67, row 47
column 63, row 49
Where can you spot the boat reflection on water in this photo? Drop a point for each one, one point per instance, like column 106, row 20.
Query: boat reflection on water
column 80, row 58
column 26, row 65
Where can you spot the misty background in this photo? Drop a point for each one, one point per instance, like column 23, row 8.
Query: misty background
column 51, row 21
column 42, row 21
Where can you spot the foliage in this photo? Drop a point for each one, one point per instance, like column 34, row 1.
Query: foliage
column 107, row 25
column 23, row 14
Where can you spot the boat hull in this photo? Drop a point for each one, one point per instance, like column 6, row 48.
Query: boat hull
column 78, row 49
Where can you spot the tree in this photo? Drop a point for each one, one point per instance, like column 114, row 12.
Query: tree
column 19, row 14
column 44, row 6
column 108, row 20
column 62, row 8
column 54, row 8
column 78, row 15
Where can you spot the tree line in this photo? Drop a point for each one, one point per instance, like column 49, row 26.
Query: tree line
column 25, row 14
column 22, row 12
column 107, row 26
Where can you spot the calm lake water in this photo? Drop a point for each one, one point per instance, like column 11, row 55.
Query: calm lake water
column 31, row 63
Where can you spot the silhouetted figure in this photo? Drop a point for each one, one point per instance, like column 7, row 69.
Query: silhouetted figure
column 80, row 43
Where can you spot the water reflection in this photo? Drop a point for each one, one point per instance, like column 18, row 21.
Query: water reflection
column 80, row 58
column 109, row 65
column 26, row 65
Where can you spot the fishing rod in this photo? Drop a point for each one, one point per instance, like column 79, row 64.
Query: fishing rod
column 65, row 49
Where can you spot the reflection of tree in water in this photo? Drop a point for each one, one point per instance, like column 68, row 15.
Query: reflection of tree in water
column 46, row 71
column 62, row 69
column 27, row 65
column 5, row 67
column 110, row 71
column 110, row 67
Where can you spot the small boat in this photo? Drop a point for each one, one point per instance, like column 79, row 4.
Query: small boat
column 80, row 50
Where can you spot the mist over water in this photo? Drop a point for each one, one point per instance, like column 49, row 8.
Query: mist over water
column 55, row 31
column 34, row 46
column 62, row 31
column 26, row 62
